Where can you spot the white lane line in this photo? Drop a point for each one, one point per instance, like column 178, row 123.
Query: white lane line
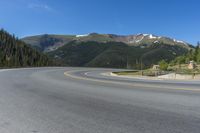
column 3, row 70
column 69, row 74
column 87, row 73
column 110, row 74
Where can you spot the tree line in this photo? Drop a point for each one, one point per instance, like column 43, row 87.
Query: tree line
column 192, row 55
column 15, row 53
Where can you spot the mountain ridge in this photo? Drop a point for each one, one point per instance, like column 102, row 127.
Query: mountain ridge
column 50, row 42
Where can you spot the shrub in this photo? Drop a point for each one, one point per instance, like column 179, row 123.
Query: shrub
column 163, row 65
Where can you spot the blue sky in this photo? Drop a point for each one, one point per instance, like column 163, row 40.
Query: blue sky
column 179, row 19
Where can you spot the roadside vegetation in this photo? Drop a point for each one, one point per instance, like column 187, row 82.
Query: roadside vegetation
column 179, row 65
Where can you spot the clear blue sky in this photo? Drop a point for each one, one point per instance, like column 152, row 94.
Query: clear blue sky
column 179, row 19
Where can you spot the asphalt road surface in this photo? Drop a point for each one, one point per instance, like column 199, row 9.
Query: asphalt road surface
column 86, row 100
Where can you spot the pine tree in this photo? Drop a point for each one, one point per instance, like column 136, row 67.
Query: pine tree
column 15, row 53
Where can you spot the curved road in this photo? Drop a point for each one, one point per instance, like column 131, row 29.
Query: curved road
column 87, row 100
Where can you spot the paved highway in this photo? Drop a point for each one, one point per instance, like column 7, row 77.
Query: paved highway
column 86, row 100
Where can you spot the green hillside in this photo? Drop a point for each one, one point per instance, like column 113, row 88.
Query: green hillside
column 15, row 53
column 192, row 55
column 115, row 54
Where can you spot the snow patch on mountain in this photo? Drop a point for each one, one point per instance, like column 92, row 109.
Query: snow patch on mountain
column 152, row 36
column 139, row 40
column 84, row 35
column 178, row 41
column 145, row 34
column 156, row 42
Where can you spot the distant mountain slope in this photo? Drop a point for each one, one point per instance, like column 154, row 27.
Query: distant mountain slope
column 48, row 43
column 115, row 54
column 15, row 53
